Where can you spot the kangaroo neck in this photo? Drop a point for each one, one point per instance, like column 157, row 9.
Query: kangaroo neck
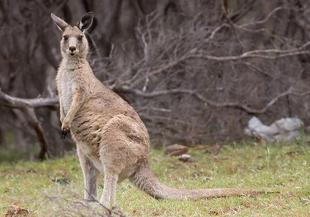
column 74, row 63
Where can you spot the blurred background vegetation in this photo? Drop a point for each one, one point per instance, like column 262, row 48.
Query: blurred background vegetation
column 196, row 71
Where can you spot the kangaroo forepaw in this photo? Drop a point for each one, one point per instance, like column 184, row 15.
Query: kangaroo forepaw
column 64, row 133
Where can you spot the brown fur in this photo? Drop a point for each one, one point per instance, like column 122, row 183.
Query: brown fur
column 111, row 138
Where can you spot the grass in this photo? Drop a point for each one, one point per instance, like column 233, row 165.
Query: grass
column 277, row 167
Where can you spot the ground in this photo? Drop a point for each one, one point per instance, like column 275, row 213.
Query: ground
column 40, row 187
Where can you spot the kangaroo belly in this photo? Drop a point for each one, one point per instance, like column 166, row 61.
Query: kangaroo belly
column 87, row 130
column 86, row 133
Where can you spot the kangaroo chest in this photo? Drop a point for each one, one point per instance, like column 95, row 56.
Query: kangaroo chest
column 65, row 87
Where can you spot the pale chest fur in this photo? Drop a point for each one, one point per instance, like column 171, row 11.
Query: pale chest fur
column 68, row 78
column 65, row 81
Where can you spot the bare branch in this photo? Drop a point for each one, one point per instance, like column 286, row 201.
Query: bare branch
column 201, row 98
column 36, row 125
column 17, row 102
column 266, row 19
column 27, row 106
column 270, row 54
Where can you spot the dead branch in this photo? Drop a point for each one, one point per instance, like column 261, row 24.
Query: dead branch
column 201, row 98
column 17, row 102
column 266, row 19
column 68, row 203
column 27, row 106
column 270, row 54
column 36, row 125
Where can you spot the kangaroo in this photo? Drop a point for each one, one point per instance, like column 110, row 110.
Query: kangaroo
column 110, row 137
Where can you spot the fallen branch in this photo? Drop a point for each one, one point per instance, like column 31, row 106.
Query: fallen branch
column 68, row 203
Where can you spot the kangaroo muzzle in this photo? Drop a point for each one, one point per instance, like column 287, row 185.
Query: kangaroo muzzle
column 72, row 46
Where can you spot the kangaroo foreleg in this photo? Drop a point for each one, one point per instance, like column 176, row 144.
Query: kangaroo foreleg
column 74, row 107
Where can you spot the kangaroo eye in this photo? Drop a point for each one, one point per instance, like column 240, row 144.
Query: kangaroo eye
column 80, row 37
column 65, row 37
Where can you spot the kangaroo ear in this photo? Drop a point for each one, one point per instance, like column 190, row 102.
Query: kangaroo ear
column 61, row 24
column 87, row 23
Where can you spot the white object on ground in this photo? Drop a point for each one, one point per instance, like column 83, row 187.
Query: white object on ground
column 285, row 129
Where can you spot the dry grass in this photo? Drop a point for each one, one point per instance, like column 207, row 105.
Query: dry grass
column 47, row 188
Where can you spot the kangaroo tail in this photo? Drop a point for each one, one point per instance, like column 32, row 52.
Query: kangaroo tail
column 145, row 180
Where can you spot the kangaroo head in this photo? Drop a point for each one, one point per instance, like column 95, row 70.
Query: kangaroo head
column 73, row 43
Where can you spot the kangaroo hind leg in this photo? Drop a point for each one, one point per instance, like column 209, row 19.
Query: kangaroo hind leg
column 108, row 198
column 89, row 175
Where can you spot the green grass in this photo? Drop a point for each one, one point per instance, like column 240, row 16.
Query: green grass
column 277, row 167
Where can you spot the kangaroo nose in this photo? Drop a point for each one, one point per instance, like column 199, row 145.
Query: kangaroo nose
column 72, row 48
